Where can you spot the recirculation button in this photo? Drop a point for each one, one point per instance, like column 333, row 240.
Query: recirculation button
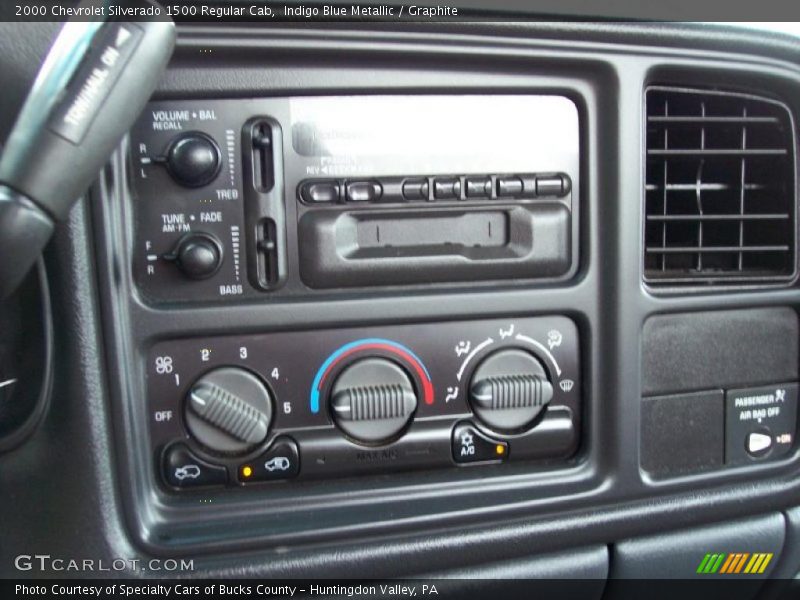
column 182, row 469
column 280, row 461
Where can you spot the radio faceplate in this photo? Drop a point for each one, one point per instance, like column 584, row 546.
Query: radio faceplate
column 241, row 410
column 224, row 209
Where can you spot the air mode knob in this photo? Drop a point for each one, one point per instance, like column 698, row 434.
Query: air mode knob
column 373, row 400
column 509, row 389
column 193, row 159
column 229, row 410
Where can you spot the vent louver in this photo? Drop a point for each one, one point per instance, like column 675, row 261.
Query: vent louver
column 720, row 188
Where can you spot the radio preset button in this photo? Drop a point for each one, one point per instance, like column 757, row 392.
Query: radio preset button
column 321, row 191
column 446, row 188
column 509, row 186
column 363, row 191
column 415, row 190
column 478, row 187
column 528, row 185
column 552, row 185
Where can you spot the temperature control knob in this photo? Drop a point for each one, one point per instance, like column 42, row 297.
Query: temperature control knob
column 197, row 255
column 193, row 159
column 229, row 410
column 509, row 389
column 373, row 400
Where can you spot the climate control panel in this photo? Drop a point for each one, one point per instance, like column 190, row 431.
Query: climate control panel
column 245, row 410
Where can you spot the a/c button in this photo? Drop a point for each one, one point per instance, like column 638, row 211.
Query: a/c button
column 471, row 445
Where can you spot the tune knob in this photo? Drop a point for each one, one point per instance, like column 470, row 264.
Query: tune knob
column 229, row 410
column 509, row 389
column 197, row 255
column 193, row 159
column 373, row 400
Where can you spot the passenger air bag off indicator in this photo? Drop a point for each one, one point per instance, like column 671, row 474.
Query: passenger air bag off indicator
column 760, row 423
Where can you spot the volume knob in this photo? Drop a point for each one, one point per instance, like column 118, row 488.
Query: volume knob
column 193, row 159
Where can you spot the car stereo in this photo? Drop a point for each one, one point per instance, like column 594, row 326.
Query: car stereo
column 241, row 198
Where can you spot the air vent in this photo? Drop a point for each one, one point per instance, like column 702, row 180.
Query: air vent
column 720, row 188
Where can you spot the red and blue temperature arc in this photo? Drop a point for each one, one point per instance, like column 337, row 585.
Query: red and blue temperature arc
column 371, row 344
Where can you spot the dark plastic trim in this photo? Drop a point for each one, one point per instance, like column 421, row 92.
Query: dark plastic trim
column 605, row 497
column 19, row 435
